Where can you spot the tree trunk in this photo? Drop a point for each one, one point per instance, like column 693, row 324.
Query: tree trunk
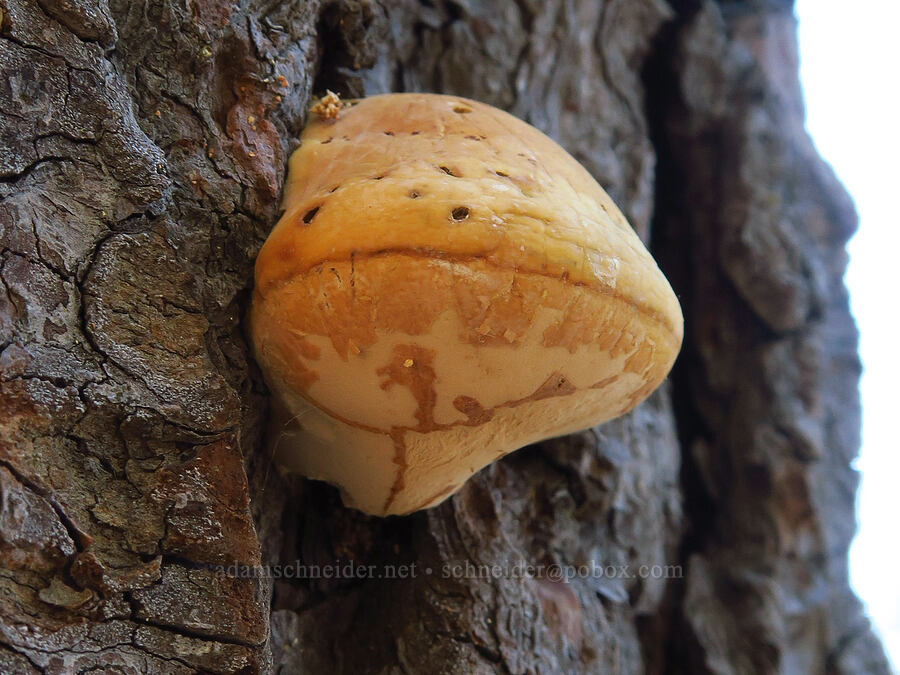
column 142, row 153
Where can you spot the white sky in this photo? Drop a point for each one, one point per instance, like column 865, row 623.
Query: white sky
column 850, row 68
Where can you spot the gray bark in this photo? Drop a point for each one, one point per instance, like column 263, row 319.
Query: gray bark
column 142, row 153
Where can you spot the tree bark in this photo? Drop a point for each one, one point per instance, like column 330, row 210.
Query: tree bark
column 142, row 154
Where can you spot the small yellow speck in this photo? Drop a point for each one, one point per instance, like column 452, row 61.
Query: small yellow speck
column 278, row 98
column 252, row 154
column 251, row 119
column 328, row 107
column 408, row 363
column 206, row 52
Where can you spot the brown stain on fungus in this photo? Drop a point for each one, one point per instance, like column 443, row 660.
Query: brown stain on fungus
column 398, row 437
column 641, row 359
column 411, row 366
column 605, row 382
column 297, row 374
column 555, row 385
column 475, row 413
column 417, row 376
column 306, row 348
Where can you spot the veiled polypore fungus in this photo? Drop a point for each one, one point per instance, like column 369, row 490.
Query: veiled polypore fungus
column 446, row 285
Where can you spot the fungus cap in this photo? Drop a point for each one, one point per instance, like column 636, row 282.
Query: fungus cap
column 446, row 285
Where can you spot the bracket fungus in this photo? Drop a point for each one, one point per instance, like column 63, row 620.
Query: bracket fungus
column 446, row 285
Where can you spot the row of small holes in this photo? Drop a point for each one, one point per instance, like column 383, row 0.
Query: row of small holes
column 471, row 137
column 388, row 133
column 459, row 213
